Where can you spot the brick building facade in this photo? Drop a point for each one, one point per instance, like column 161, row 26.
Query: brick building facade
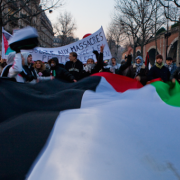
column 161, row 47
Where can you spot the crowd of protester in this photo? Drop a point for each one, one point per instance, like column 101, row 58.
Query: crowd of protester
column 21, row 68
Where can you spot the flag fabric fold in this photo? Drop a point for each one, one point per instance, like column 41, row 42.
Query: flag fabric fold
column 103, row 127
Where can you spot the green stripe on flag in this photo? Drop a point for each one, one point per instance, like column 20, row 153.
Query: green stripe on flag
column 168, row 92
column 9, row 50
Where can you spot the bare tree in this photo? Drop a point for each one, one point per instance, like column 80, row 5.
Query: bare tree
column 138, row 21
column 130, row 30
column 115, row 37
column 168, row 7
column 158, row 20
column 174, row 12
column 64, row 28
column 12, row 10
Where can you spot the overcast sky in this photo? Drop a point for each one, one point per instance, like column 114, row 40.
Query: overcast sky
column 89, row 15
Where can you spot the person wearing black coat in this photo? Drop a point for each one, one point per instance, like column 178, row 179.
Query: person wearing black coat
column 138, row 71
column 74, row 66
column 159, row 70
column 59, row 72
column 91, row 67
column 29, row 73
column 176, row 75
column 127, row 63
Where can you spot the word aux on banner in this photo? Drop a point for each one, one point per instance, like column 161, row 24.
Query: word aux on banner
column 84, row 48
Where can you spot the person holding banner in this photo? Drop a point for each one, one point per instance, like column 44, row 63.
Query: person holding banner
column 59, row 72
column 91, row 67
column 74, row 66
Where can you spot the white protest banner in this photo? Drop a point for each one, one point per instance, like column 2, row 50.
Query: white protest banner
column 84, row 48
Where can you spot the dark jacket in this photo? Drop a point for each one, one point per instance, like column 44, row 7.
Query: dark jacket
column 61, row 73
column 156, row 72
column 75, row 69
column 125, row 65
column 176, row 74
column 124, row 73
column 61, row 65
column 3, row 64
column 142, row 73
column 28, row 73
column 96, row 68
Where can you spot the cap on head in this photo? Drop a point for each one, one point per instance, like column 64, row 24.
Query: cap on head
column 159, row 57
column 169, row 59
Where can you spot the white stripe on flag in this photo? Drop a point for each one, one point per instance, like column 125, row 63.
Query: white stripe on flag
column 128, row 136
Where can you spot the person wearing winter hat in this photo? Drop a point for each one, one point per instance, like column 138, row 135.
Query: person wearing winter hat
column 138, row 70
column 59, row 72
column 170, row 65
column 159, row 70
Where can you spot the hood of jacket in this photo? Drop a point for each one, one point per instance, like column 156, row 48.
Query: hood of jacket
column 10, row 58
column 25, row 55
column 55, row 59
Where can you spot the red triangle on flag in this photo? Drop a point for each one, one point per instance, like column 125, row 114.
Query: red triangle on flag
column 5, row 43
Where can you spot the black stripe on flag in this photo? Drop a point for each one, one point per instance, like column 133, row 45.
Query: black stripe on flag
column 17, row 98
column 21, row 141
column 28, row 113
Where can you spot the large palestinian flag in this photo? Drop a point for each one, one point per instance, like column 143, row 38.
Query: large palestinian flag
column 104, row 127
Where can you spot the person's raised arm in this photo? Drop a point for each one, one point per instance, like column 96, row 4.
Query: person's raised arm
column 16, row 67
column 127, row 63
column 100, row 58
